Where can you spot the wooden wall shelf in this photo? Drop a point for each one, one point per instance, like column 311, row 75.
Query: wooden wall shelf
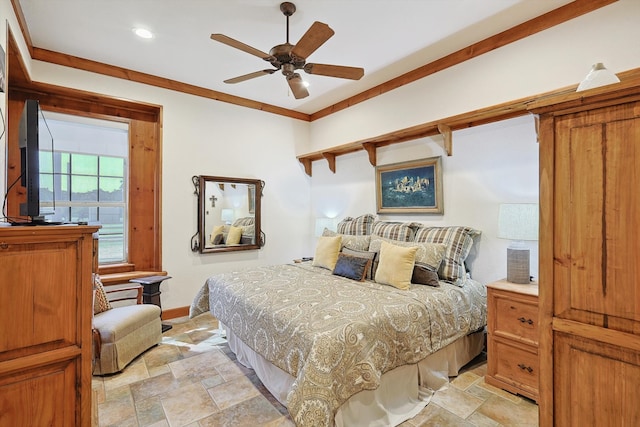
column 444, row 127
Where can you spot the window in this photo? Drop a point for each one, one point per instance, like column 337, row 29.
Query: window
column 87, row 179
column 143, row 231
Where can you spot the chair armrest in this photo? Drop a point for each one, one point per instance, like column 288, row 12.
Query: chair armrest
column 137, row 288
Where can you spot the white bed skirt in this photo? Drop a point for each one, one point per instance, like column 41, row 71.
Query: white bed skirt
column 403, row 391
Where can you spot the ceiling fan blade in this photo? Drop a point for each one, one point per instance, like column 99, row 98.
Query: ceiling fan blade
column 297, row 86
column 250, row 76
column 341, row 71
column 239, row 45
column 315, row 36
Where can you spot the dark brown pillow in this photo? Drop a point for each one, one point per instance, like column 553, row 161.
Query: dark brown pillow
column 424, row 274
column 352, row 267
column 218, row 239
column 363, row 254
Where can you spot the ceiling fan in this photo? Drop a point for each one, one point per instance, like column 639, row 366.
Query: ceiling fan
column 289, row 58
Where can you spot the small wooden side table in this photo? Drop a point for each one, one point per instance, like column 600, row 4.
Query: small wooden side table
column 512, row 339
column 151, row 292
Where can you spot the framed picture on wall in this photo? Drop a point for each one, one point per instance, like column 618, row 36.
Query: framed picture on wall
column 410, row 187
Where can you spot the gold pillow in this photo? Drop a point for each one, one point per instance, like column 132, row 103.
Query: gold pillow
column 217, row 230
column 327, row 251
column 235, row 233
column 396, row 265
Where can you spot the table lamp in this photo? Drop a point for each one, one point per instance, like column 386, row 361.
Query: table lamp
column 518, row 222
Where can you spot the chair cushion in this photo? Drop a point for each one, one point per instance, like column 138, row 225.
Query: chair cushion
column 118, row 322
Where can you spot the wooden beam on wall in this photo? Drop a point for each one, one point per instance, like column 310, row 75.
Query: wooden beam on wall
column 331, row 159
column 519, row 32
column 445, row 131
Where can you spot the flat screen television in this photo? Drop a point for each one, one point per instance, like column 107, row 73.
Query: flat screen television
column 36, row 147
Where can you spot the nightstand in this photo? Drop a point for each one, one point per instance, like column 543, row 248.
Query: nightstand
column 512, row 337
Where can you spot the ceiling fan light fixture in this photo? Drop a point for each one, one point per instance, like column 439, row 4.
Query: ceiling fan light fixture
column 289, row 58
column 142, row 33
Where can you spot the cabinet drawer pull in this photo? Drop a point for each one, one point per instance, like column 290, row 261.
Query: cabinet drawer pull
column 523, row 320
column 525, row 367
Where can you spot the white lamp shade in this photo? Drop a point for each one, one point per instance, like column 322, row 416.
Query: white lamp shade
column 598, row 76
column 518, row 221
column 227, row 215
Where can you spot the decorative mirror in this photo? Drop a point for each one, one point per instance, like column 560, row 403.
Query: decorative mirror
column 228, row 214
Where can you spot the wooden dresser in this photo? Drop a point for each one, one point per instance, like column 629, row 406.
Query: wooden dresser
column 512, row 338
column 590, row 256
column 45, row 316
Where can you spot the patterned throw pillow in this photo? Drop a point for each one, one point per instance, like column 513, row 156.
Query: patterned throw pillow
column 243, row 222
column 358, row 243
column 100, row 301
column 458, row 241
column 428, row 253
column 360, row 226
column 352, row 267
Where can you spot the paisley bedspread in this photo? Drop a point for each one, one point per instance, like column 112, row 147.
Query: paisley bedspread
column 334, row 335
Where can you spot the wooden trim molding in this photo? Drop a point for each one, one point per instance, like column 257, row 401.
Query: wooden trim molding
column 533, row 26
column 507, row 110
column 138, row 77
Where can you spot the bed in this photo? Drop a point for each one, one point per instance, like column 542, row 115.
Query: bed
column 339, row 351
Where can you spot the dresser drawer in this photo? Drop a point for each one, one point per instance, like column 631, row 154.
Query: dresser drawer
column 515, row 319
column 515, row 365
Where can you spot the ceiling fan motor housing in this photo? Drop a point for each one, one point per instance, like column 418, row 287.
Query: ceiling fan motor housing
column 282, row 57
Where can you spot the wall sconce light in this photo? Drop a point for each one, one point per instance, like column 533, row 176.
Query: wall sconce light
column 598, row 76
column 518, row 222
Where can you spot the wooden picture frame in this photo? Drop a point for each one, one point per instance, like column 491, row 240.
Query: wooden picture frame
column 410, row 187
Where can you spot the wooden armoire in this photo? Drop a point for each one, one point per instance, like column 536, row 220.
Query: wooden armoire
column 46, row 307
column 589, row 281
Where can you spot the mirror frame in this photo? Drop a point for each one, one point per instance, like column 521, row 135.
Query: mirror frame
column 259, row 241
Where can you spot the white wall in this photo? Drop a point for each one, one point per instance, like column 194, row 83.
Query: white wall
column 491, row 164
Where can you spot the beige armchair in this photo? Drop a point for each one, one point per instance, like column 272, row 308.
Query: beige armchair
column 121, row 333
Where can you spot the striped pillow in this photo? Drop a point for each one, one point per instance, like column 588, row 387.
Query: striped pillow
column 459, row 241
column 393, row 230
column 359, row 226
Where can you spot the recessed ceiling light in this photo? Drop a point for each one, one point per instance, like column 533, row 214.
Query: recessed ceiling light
column 144, row 33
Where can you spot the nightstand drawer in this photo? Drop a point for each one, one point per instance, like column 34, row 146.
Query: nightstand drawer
column 516, row 319
column 516, row 366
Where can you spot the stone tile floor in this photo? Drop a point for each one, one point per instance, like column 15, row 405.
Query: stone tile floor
column 192, row 379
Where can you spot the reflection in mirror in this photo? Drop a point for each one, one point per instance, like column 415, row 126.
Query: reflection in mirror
column 229, row 214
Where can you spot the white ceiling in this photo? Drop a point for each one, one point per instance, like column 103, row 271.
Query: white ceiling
column 385, row 37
